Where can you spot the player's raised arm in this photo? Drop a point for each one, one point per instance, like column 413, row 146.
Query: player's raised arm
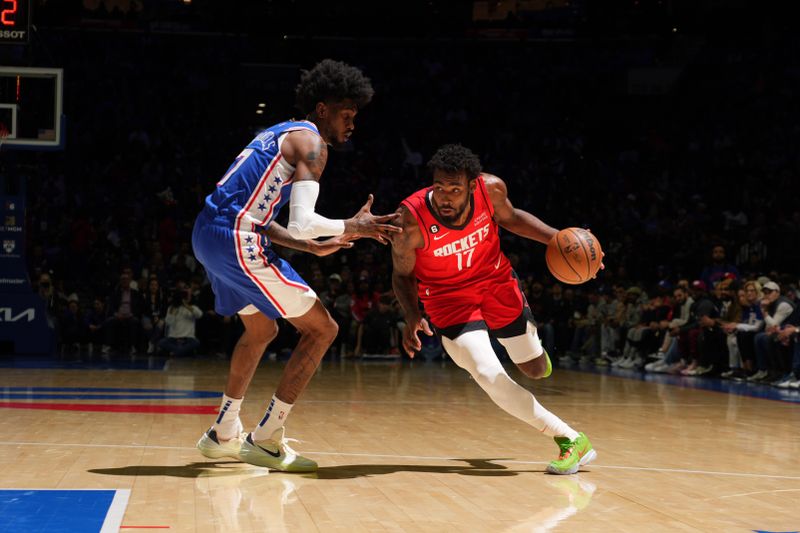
column 404, row 281
column 514, row 219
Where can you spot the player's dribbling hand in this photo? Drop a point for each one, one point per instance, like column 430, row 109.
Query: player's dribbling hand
column 365, row 224
column 602, row 255
column 411, row 342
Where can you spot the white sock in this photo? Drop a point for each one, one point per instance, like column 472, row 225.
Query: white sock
column 228, row 424
column 274, row 418
column 473, row 352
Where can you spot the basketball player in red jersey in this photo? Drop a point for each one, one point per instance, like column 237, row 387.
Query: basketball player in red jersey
column 448, row 256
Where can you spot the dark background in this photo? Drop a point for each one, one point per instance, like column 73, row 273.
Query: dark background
column 664, row 126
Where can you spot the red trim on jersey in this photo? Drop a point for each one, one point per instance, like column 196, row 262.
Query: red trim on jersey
column 287, row 281
column 276, row 201
column 237, row 231
column 261, row 249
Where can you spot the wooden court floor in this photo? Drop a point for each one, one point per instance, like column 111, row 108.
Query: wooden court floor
column 407, row 447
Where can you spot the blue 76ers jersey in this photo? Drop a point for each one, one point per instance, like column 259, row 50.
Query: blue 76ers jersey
column 258, row 183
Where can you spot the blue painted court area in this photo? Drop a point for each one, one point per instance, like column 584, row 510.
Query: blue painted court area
column 98, row 393
column 73, row 511
column 752, row 390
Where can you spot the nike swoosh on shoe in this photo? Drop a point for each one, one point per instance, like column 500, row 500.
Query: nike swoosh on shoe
column 273, row 454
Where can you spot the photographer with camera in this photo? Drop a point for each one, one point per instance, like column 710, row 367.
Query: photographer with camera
column 180, row 322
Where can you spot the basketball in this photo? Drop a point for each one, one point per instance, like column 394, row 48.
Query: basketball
column 574, row 255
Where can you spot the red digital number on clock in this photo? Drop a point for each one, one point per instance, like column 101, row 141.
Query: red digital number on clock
column 7, row 15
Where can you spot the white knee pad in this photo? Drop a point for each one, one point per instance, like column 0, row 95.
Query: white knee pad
column 525, row 347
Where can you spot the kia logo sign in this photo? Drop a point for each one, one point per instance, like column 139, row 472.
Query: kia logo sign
column 7, row 315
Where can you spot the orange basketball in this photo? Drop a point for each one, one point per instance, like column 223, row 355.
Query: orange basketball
column 574, row 255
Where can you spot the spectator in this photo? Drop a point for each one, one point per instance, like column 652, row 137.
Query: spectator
column 180, row 322
column 585, row 339
column 776, row 309
column 718, row 268
column 47, row 293
column 378, row 332
column 668, row 357
column 712, row 346
column 691, row 335
column 362, row 300
column 338, row 303
column 96, row 320
column 153, row 314
column 74, row 331
column 125, row 304
column 633, row 328
column 790, row 337
column 744, row 331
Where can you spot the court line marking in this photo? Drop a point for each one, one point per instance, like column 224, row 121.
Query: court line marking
column 116, row 511
column 416, row 457
column 476, row 402
column 756, row 492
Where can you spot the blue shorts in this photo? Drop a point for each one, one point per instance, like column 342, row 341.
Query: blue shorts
column 246, row 275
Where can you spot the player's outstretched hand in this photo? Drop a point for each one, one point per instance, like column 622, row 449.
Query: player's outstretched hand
column 365, row 224
column 411, row 342
column 332, row 245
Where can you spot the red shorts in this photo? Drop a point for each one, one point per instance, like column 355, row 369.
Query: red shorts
column 494, row 305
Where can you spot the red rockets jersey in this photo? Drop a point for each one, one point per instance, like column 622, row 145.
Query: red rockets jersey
column 457, row 258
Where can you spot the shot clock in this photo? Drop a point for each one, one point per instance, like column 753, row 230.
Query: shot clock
column 15, row 20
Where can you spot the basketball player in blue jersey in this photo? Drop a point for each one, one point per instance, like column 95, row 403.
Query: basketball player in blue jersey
column 232, row 238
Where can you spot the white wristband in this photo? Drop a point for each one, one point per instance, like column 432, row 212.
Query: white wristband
column 304, row 223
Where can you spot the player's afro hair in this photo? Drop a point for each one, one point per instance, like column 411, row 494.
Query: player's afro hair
column 332, row 81
column 453, row 158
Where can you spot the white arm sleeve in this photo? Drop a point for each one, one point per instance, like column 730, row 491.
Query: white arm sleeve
column 304, row 223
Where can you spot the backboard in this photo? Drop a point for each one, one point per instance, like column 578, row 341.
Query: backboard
column 31, row 107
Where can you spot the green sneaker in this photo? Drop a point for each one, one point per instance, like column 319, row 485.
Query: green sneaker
column 212, row 447
column 275, row 453
column 574, row 454
column 549, row 369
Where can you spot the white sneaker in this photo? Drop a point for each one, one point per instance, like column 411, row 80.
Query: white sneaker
column 275, row 453
column 661, row 367
column 703, row 370
column 758, row 376
column 795, row 384
column 213, row 448
column 635, row 362
column 618, row 363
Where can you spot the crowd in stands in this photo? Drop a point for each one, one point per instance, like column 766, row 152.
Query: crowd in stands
column 685, row 190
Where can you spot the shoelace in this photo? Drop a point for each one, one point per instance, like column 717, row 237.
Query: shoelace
column 285, row 442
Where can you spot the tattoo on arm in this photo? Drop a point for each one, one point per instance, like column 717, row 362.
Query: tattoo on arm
column 313, row 162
